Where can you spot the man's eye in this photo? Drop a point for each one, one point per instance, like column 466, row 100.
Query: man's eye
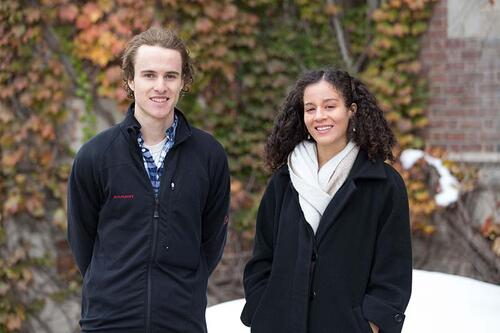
column 149, row 76
column 171, row 76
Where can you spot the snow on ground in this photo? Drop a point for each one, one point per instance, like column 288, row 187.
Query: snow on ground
column 447, row 182
column 439, row 303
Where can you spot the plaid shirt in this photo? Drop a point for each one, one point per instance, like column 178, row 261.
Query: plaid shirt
column 153, row 171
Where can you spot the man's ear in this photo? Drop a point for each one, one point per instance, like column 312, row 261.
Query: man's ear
column 131, row 84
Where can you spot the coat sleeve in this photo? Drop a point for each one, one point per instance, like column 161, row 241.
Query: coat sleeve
column 389, row 287
column 258, row 269
column 83, row 209
column 215, row 213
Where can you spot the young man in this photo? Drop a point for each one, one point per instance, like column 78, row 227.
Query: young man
column 148, row 202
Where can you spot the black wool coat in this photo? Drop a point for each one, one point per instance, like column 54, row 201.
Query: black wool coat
column 356, row 268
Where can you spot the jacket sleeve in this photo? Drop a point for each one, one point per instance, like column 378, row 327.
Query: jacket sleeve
column 389, row 287
column 215, row 213
column 258, row 269
column 83, row 210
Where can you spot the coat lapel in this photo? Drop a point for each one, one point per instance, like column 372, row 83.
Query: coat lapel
column 340, row 199
column 362, row 168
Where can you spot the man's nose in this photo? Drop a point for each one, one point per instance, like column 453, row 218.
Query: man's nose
column 160, row 85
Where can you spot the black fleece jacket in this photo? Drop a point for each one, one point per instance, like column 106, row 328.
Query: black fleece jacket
column 145, row 262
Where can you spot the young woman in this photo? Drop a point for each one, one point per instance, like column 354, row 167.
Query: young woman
column 332, row 246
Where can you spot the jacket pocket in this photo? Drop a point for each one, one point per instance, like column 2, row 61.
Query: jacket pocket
column 363, row 325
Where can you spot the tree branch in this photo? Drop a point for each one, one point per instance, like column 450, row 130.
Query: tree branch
column 341, row 40
column 490, row 264
column 50, row 38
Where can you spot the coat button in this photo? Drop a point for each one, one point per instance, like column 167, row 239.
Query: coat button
column 166, row 247
column 314, row 256
column 398, row 317
column 313, row 294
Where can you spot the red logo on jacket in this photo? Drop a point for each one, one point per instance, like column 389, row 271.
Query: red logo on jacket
column 123, row 196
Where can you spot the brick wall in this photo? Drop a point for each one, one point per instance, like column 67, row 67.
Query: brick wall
column 464, row 78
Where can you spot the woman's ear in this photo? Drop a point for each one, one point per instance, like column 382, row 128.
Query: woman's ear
column 352, row 109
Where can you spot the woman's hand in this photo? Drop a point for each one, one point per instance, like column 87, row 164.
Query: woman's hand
column 373, row 327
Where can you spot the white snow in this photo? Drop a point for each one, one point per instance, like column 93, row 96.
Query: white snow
column 439, row 303
column 409, row 157
column 447, row 182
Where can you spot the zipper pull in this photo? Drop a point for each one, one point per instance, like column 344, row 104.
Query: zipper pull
column 172, row 186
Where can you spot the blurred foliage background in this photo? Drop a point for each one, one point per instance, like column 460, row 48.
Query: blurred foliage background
column 56, row 54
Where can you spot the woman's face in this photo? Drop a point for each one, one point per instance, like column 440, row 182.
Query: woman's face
column 326, row 117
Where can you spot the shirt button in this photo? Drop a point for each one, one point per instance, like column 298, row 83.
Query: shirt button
column 398, row 317
column 166, row 247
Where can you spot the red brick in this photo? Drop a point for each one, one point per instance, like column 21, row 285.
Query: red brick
column 471, row 124
column 476, row 77
column 434, row 56
column 454, row 90
column 438, row 100
column 470, row 147
column 471, row 55
column 440, row 10
column 436, row 136
column 455, row 66
column 435, row 34
column 490, row 136
column 454, row 148
column 438, row 78
column 439, row 23
column 454, row 44
column 454, row 136
column 440, row 68
column 489, row 88
column 488, row 124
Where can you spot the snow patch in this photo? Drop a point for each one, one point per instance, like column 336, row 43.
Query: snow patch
column 447, row 182
column 439, row 303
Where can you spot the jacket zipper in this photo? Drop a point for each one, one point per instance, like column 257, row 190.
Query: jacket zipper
column 156, row 217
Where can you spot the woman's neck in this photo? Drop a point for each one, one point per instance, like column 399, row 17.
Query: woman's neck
column 326, row 153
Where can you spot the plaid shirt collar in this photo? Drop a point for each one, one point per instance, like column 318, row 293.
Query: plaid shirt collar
column 153, row 171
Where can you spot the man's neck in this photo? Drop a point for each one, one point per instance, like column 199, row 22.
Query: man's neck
column 152, row 130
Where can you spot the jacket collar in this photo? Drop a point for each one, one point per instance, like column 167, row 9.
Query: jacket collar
column 364, row 168
column 131, row 126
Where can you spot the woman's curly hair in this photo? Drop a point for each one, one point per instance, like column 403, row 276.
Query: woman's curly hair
column 372, row 133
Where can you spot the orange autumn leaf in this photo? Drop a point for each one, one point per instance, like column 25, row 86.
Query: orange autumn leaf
column 12, row 205
column 13, row 322
column 93, row 11
column 12, row 158
column 68, row 13
column 83, row 22
column 203, row 25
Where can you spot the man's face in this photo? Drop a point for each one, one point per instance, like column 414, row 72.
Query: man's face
column 156, row 84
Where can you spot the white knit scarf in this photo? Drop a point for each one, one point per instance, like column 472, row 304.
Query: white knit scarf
column 316, row 188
